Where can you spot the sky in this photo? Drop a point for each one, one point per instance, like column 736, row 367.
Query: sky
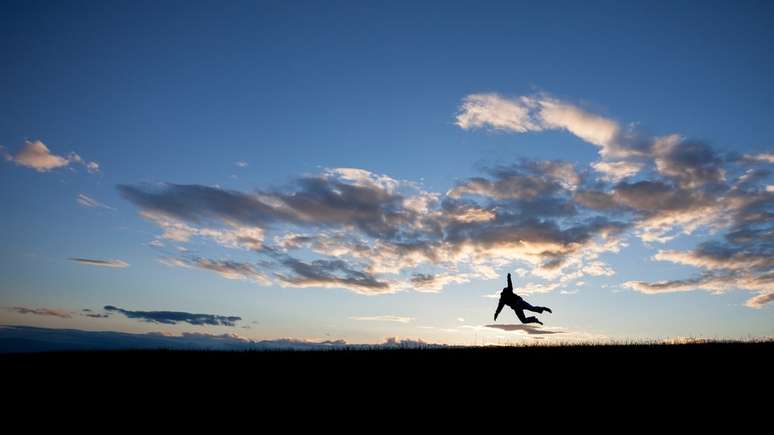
column 369, row 172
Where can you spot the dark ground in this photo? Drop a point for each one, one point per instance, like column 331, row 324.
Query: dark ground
column 535, row 365
column 506, row 386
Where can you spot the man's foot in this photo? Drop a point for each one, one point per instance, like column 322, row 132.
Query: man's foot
column 541, row 323
column 547, row 309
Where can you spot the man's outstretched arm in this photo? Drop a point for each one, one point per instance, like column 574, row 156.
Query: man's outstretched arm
column 510, row 284
column 500, row 306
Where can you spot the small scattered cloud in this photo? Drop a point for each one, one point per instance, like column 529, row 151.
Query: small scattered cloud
column 88, row 312
column 156, row 243
column 241, row 164
column 101, row 263
column 37, row 156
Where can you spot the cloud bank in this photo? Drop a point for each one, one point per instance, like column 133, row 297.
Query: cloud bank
column 373, row 234
column 666, row 185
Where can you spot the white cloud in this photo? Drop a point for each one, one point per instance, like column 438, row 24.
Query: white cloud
column 761, row 157
column 539, row 113
column 494, row 111
column 37, row 156
column 386, row 318
column 532, row 288
column 617, row 171
column 589, row 127
column 90, row 202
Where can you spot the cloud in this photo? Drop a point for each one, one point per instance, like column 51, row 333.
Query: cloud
column 425, row 282
column 496, row 112
column 691, row 164
column 625, row 150
column 591, row 128
column 156, row 243
column 101, row 263
column 533, row 288
column 617, row 171
column 228, row 269
column 174, row 317
column 41, row 311
column 373, row 234
column 661, row 186
column 174, row 262
column 90, row 202
column 760, row 300
column 241, row 164
column 760, row 158
column 727, row 266
column 370, row 232
column 542, row 112
column 387, row 318
column 715, row 255
column 331, row 273
column 527, row 179
column 37, row 156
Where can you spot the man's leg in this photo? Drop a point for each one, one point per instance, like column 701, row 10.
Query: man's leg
column 528, row 307
column 525, row 319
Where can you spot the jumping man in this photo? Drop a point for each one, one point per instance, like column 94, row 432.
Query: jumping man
column 508, row 297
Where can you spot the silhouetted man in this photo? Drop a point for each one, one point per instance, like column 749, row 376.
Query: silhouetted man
column 508, row 297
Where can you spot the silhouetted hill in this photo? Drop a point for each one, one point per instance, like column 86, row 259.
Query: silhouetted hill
column 636, row 364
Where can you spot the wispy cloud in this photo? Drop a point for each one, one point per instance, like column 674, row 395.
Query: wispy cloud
column 90, row 202
column 100, row 263
column 387, row 318
column 228, row 269
column 41, row 311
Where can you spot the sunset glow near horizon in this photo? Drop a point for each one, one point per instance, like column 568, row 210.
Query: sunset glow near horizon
column 326, row 171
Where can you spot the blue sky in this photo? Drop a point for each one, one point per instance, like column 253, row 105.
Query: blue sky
column 422, row 99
